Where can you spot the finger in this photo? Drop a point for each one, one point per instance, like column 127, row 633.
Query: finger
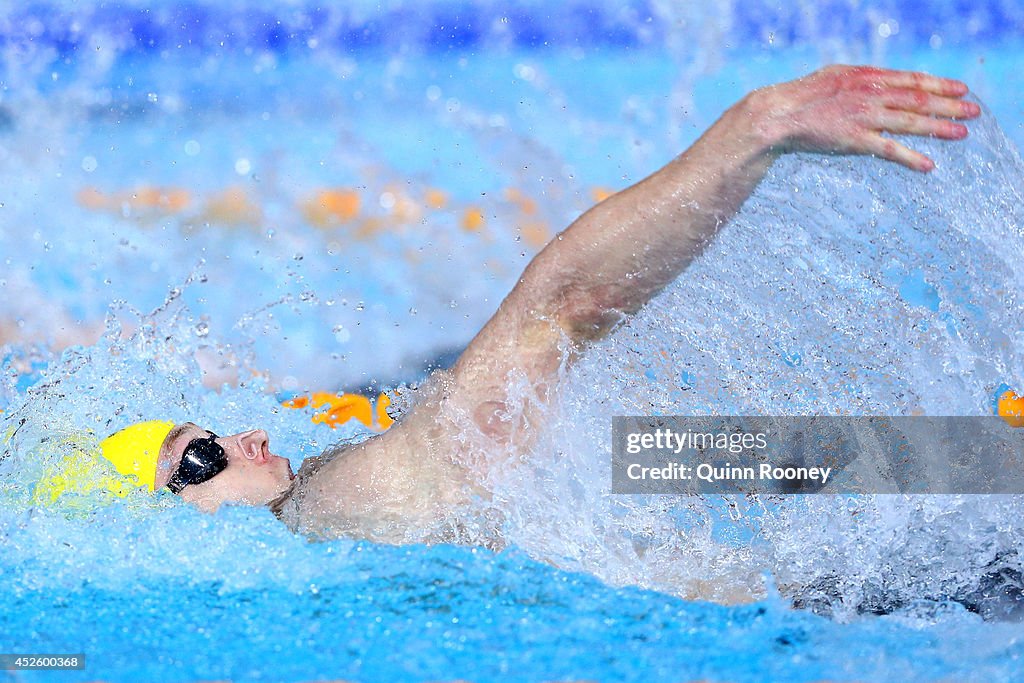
column 922, row 81
column 909, row 123
column 923, row 102
column 887, row 148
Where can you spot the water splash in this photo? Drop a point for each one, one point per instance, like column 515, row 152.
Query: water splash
column 801, row 308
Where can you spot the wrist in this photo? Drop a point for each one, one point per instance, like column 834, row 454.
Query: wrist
column 756, row 124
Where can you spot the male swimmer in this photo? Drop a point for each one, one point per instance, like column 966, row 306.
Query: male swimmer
column 416, row 481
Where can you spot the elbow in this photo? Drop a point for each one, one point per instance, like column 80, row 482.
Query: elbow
column 584, row 305
column 589, row 315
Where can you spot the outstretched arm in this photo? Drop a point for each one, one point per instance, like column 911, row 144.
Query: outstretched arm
column 622, row 252
column 606, row 265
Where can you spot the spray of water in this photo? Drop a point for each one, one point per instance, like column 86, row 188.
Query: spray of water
column 844, row 287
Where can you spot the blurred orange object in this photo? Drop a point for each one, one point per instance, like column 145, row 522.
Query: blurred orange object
column 343, row 407
column 93, row 199
column 1010, row 407
column 525, row 204
column 436, row 199
column 383, row 419
column 175, row 200
column 297, row 402
column 332, row 207
column 142, row 199
column 473, row 220
column 536, row 234
column 232, row 206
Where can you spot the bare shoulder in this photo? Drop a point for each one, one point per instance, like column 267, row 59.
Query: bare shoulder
column 515, row 358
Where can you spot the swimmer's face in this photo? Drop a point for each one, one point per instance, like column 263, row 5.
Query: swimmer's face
column 253, row 476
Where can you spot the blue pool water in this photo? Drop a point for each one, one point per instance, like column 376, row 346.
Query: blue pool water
column 160, row 169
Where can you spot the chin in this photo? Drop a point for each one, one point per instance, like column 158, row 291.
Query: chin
column 286, row 467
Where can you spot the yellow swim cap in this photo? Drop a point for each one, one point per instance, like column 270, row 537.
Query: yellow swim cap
column 133, row 451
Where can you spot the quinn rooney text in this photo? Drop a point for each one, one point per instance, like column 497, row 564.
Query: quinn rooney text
column 710, row 473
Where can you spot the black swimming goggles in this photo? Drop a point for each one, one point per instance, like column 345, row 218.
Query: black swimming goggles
column 202, row 460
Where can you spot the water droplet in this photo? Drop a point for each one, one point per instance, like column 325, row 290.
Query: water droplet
column 360, row 306
column 202, row 329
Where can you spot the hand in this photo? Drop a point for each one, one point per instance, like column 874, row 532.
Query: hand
column 845, row 110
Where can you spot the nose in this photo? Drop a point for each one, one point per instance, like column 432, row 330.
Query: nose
column 254, row 445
